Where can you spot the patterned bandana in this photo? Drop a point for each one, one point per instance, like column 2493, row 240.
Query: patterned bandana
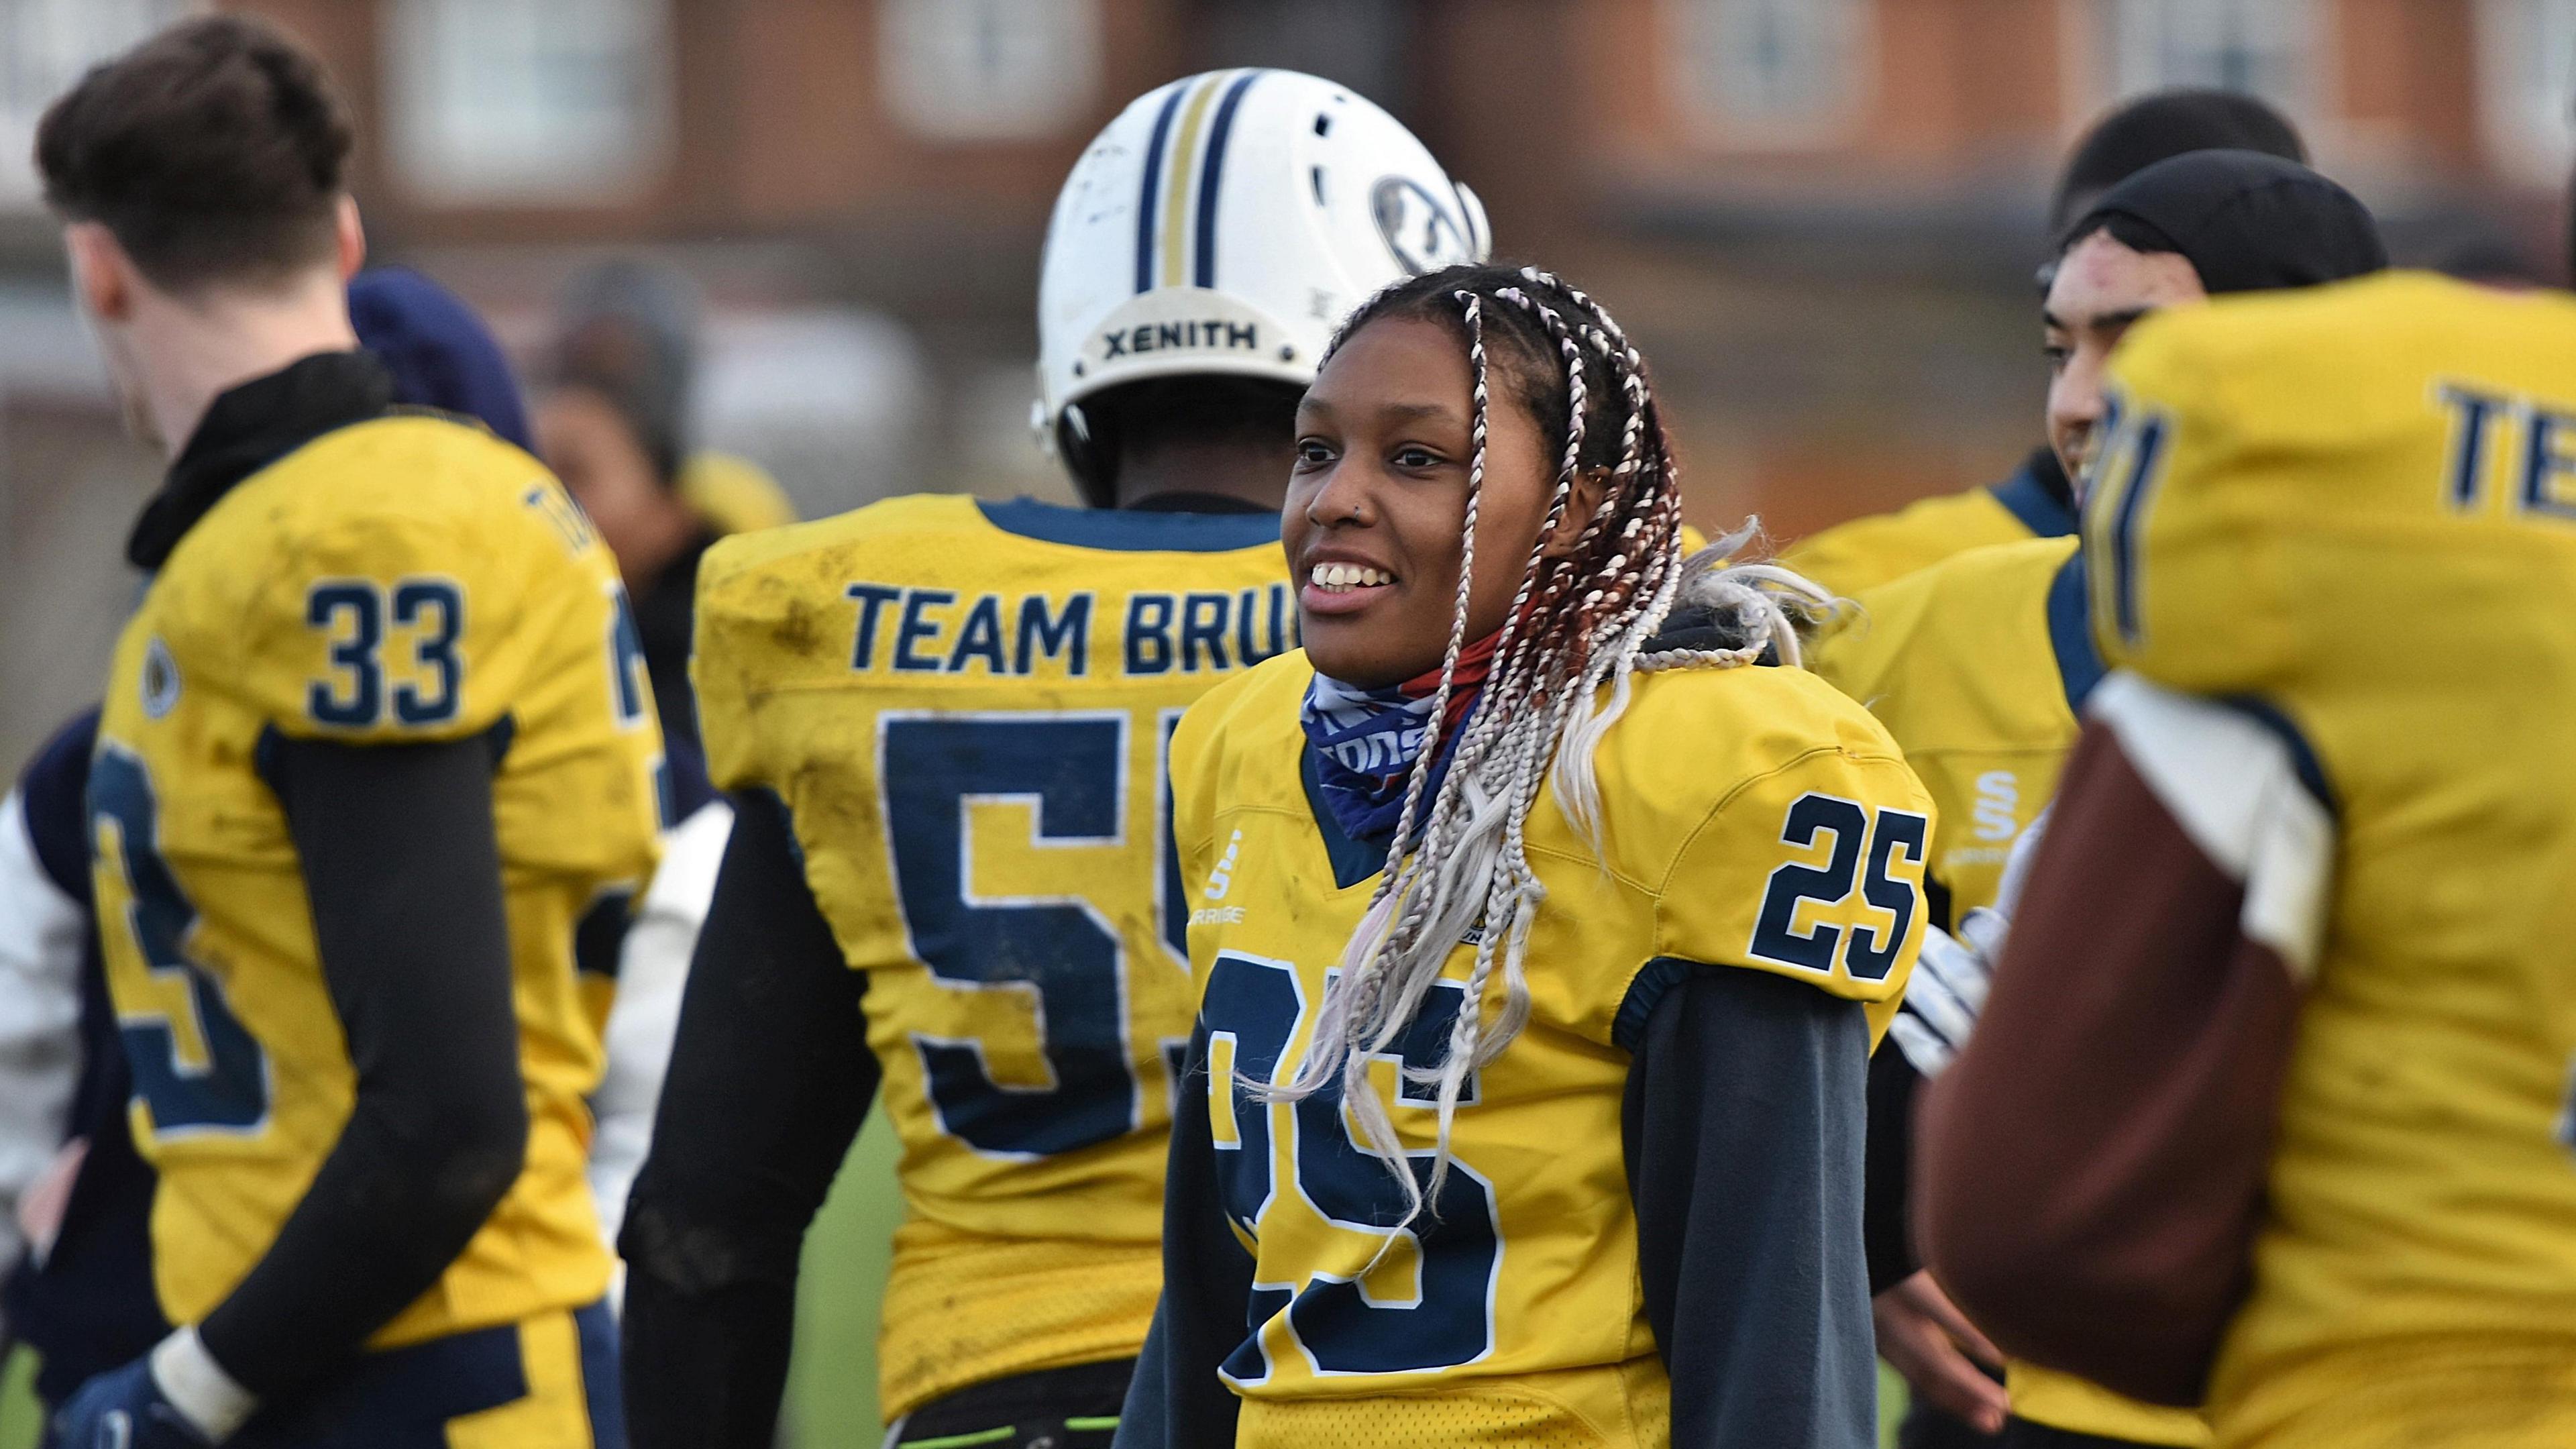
column 1366, row 740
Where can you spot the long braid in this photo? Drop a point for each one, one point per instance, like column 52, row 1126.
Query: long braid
column 1580, row 619
column 1382, row 927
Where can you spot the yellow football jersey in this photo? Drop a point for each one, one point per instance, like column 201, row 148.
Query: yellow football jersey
column 1978, row 666
column 401, row 580
column 964, row 707
column 1864, row 553
column 2354, row 510
column 1792, row 843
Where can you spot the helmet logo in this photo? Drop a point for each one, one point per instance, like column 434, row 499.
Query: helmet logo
column 1420, row 231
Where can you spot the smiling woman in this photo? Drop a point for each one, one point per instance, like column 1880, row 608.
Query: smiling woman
column 1622, row 911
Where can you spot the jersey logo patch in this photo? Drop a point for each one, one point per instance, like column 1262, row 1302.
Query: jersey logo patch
column 160, row 683
column 1997, row 812
column 1221, row 879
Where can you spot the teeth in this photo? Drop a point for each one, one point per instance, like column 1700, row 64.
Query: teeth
column 1346, row 576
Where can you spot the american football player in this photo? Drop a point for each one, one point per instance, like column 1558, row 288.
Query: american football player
column 1525, row 1100
column 372, row 743
column 2291, row 979
column 951, row 878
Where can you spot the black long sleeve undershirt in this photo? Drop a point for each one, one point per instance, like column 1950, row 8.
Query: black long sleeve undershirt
column 1742, row 1127
column 404, row 876
column 769, row 1080
column 1893, row 1083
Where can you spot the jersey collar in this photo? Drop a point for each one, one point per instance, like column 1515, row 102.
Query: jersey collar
column 1135, row 530
column 2038, row 494
column 251, row 426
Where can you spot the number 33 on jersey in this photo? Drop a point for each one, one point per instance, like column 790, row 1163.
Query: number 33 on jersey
column 404, row 580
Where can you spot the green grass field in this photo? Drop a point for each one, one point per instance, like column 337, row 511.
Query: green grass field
column 832, row 1386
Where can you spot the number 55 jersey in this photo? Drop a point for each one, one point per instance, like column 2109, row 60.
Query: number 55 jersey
column 1755, row 821
column 964, row 708
column 400, row 579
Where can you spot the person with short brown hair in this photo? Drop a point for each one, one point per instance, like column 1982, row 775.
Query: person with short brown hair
column 375, row 740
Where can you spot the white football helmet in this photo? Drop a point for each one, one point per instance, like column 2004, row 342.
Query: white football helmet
column 1227, row 223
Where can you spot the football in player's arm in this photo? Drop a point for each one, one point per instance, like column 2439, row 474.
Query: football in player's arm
column 2292, row 976
column 944, row 723
column 366, row 755
column 1541, row 935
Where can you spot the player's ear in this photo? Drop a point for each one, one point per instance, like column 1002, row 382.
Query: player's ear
column 350, row 236
column 1590, row 484
column 103, row 276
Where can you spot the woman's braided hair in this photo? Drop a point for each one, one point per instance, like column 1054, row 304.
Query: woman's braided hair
column 1580, row 620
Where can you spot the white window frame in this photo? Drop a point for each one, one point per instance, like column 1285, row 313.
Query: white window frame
column 2123, row 48
column 2526, row 79
column 986, row 72
column 45, row 47
column 1705, row 72
column 447, row 145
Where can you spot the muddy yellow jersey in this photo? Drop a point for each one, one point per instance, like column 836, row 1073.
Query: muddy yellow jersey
column 2353, row 510
column 1979, row 666
column 402, row 580
column 1864, row 553
column 1754, row 818
column 964, row 707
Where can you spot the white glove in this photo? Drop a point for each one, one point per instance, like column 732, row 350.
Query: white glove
column 1954, row 973
column 1947, row 991
column 2016, row 877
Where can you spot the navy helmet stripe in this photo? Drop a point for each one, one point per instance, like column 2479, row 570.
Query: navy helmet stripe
column 1212, row 170
column 1145, row 207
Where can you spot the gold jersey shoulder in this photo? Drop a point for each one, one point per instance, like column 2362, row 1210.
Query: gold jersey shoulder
column 1974, row 665
column 964, row 707
column 2354, row 508
column 1792, row 844
column 1867, row 552
column 401, row 580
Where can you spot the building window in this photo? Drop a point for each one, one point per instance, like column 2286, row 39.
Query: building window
column 1366, row 45
column 2527, row 87
column 2266, row 48
column 1773, row 73
column 990, row 70
column 500, row 102
column 45, row 45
